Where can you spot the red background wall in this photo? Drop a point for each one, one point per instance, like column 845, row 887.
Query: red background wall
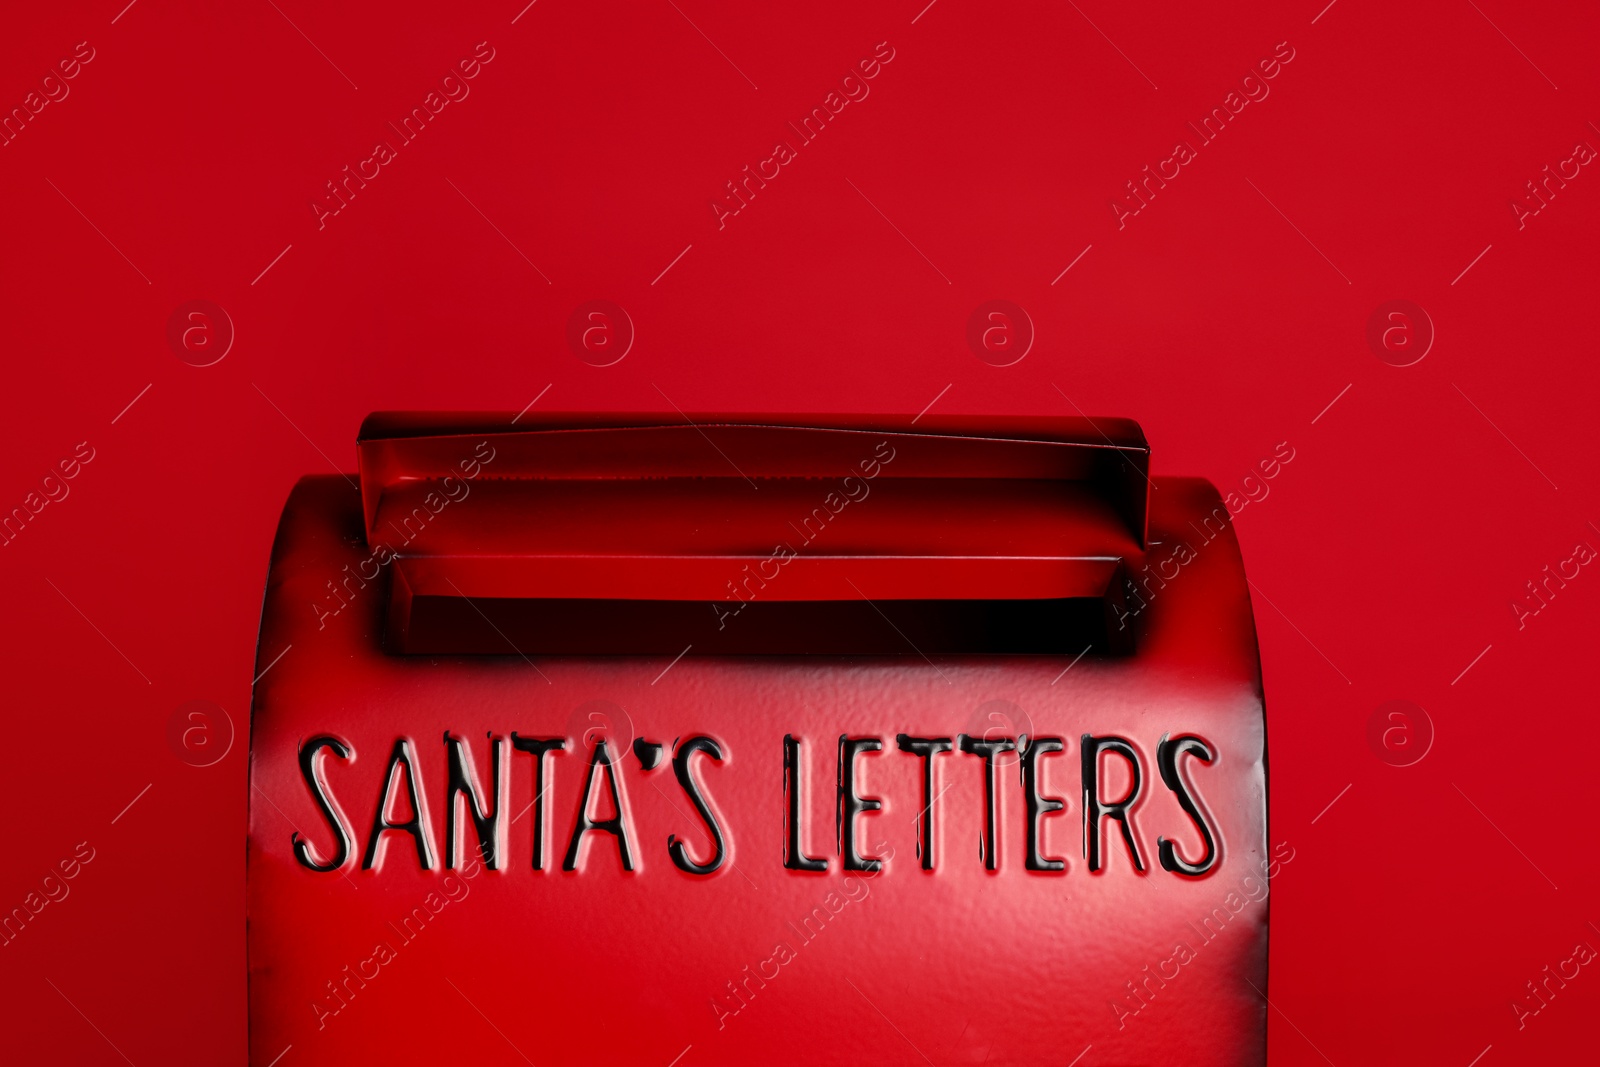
column 1225, row 316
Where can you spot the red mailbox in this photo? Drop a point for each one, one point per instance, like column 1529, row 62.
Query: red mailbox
column 743, row 739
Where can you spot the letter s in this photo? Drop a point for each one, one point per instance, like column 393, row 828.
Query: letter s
column 680, row 767
column 84, row 51
column 1284, row 52
column 330, row 811
column 84, row 452
column 881, row 50
column 486, row 54
column 1167, row 753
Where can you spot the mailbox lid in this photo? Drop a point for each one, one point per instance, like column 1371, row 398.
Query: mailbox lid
column 712, row 507
column 402, row 451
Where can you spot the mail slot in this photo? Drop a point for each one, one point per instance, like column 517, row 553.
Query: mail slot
column 732, row 739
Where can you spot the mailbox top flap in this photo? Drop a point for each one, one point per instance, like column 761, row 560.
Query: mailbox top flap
column 401, row 451
column 645, row 512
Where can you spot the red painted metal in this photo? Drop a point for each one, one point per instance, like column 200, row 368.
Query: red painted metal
column 566, row 577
